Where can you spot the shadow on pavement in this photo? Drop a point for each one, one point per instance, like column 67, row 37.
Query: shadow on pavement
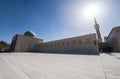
column 72, row 53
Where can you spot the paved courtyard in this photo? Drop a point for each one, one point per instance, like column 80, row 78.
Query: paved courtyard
column 111, row 65
column 59, row 66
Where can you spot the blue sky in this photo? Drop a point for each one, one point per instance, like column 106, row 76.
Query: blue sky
column 55, row 19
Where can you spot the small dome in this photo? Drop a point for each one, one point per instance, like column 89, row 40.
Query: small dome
column 30, row 34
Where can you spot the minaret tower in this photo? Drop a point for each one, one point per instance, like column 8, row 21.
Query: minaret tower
column 97, row 31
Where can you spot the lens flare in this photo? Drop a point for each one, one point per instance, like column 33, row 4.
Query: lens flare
column 91, row 10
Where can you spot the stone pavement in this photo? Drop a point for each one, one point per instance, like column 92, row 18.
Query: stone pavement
column 59, row 66
column 111, row 65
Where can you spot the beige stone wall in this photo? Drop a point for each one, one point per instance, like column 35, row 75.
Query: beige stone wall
column 26, row 44
column 114, row 39
column 86, row 43
column 118, row 39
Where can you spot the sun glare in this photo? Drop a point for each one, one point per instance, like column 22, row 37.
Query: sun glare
column 91, row 10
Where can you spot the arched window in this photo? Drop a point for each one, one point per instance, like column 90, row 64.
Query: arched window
column 73, row 42
column 44, row 45
column 80, row 41
column 68, row 43
column 40, row 45
column 95, row 43
column 63, row 43
column 59, row 43
column 55, row 44
column 51, row 45
column 87, row 41
column 48, row 45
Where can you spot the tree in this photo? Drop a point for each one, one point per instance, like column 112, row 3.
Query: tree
column 4, row 46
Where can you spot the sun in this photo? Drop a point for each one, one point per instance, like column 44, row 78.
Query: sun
column 91, row 11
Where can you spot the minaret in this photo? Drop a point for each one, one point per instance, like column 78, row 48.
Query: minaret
column 97, row 31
